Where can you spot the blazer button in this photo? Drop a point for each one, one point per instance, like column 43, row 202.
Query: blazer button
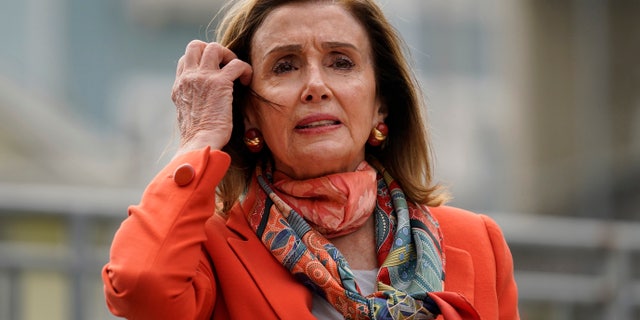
column 184, row 174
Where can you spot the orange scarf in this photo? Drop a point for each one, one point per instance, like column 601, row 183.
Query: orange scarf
column 334, row 205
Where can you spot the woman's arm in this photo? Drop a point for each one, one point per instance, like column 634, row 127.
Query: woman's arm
column 505, row 282
column 157, row 269
column 486, row 279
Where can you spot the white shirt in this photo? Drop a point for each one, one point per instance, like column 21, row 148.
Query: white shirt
column 366, row 280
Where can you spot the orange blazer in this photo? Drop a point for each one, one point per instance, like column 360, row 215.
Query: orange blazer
column 173, row 258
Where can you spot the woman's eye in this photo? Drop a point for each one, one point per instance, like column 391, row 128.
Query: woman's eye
column 283, row 67
column 343, row 62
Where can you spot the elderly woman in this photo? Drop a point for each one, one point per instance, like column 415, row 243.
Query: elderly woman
column 302, row 185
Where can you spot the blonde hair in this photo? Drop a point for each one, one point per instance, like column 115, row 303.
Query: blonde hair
column 407, row 153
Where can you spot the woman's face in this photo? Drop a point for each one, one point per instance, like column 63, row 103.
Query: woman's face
column 314, row 62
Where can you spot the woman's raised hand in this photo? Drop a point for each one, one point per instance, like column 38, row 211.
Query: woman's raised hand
column 203, row 94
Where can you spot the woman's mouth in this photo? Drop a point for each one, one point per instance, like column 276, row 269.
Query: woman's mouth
column 317, row 124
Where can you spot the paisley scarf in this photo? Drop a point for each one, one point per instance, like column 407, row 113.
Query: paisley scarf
column 409, row 251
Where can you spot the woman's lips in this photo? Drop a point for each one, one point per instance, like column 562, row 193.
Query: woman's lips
column 317, row 121
column 316, row 124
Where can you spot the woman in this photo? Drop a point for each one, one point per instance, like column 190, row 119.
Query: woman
column 306, row 121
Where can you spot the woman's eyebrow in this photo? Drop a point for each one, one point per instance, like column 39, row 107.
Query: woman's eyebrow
column 337, row 44
column 298, row 47
column 284, row 48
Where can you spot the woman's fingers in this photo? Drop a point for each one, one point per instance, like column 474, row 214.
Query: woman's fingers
column 238, row 69
column 215, row 56
column 206, row 57
column 193, row 54
column 180, row 66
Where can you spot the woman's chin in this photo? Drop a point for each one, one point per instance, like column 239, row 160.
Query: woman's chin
column 330, row 151
column 322, row 160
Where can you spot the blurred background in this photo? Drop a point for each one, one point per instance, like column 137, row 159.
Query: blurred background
column 533, row 105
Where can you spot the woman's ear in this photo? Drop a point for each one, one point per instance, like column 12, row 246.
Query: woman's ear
column 250, row 118
column 248, row 124
column 382, row 113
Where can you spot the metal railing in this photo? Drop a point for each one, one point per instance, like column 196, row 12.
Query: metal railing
column 581, row 263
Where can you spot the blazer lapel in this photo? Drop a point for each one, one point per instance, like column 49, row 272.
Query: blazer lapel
column 283, row 293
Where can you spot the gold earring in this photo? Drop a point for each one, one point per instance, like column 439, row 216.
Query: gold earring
column 378, row 134
column 253, row 140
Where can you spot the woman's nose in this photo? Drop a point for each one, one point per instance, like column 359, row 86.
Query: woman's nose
column 316, row 89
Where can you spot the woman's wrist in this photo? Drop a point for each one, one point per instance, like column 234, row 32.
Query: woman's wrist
column 199, row 143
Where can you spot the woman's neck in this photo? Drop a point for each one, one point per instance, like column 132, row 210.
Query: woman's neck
column 359, row 247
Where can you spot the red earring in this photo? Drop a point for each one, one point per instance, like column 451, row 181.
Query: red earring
column 378, row 134
column 253, row 139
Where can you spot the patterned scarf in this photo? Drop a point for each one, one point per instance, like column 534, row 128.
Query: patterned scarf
column 335, row 204
column 409, row 249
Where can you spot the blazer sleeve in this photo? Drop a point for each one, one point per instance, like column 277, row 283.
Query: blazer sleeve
column 506, row 288
column 157, row 267
column 486, row 289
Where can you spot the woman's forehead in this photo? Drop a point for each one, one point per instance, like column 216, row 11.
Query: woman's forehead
column 298, row 23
